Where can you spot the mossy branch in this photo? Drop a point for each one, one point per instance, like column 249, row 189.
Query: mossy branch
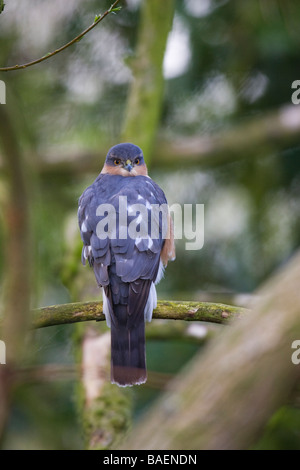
column 176, row 310
column 112, row 9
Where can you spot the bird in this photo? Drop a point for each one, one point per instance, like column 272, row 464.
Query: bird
column 128, row 240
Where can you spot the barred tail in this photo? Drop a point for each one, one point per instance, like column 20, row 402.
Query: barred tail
column 128, row 355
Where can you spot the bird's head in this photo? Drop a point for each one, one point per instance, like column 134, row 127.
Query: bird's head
column 125, row 160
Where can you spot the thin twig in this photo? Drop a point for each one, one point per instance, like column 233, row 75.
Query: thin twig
column 70, row 43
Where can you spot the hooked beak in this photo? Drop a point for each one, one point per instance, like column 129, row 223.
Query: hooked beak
column 128, row 165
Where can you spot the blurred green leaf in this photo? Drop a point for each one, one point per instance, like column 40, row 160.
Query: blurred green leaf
column 114, row 10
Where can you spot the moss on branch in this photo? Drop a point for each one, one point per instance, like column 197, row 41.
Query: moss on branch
column 170, row 310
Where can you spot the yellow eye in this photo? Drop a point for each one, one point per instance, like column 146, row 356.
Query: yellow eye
column 137, row 161
column 117, row 162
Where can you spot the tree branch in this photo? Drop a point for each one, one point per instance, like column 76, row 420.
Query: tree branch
column 277, row 130
column 226, row 395
column 176, row 310
column 98, row 19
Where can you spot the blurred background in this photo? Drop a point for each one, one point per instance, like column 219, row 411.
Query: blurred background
column 226, row 136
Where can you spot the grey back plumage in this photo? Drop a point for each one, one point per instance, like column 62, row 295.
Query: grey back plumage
column 125, row 267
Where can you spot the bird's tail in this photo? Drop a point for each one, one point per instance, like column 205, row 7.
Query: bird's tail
column 128, row 355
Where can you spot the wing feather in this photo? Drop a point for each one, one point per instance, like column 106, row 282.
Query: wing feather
column 126, row 267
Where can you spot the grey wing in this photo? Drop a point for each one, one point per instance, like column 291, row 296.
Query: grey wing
column 84, row 227
column 133, row 261
column 138, row 258
column 95, row 250
column 138, row 254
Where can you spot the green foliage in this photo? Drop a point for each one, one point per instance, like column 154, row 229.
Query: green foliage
column 282, row 431
column 115, row 10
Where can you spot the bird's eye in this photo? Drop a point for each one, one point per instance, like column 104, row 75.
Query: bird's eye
column 137, row 161
column 117, row 162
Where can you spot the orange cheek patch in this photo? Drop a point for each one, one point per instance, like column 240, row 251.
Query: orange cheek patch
column 140, row 170
column 113, row 170
column 118, row 170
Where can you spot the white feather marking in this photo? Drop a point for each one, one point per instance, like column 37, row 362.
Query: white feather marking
column 87, row 251
column 138, row 240
column 140, row 382
column 150, row 242
column 148, row 205
column 151, row 303
column 160, row 274
column 83, row 227
column 139, row 219
column 106, row 309
column 140, row 197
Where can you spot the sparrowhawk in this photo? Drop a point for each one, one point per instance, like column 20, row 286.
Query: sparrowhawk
column 127, row 235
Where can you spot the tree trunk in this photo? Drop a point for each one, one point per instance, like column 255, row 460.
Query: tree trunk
column 228, row 393
column 146, row 92
column 17, row 283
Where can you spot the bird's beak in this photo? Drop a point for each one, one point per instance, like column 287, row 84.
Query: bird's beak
column 128, row 165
